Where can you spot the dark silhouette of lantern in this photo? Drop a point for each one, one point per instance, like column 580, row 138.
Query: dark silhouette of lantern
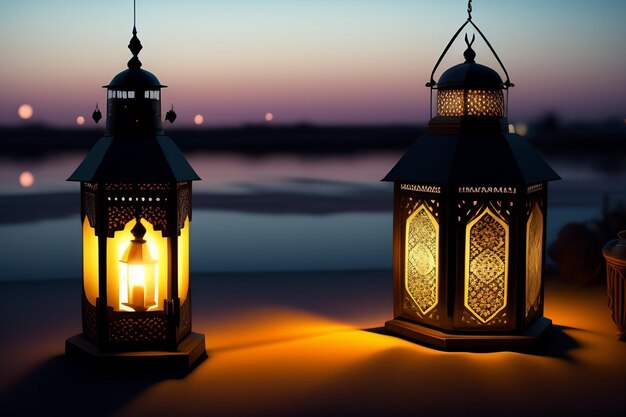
column 136, row 209
column 469, row 219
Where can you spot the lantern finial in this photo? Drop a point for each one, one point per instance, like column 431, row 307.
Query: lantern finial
column 97, row 114
column 135, row 47
column 138, row 231
column 135, row 44
column 469, row 53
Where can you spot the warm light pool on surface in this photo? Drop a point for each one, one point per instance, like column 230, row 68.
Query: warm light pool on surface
column 274, row 359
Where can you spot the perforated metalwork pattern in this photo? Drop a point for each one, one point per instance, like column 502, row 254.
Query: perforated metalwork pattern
column 156, row 216
column 450, row 103
column 485, row 103
column 486, row 265
column 534, row 258
column 90, row 186
column 470, row 103
column 118, row 187
column 89, row 207
column 184, row 203
column 421, row 259
column 157, row 186
column 145, row 328
column 118, row 217
column 146, row 200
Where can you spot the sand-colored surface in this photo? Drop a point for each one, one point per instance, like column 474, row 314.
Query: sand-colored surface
column 293, row 345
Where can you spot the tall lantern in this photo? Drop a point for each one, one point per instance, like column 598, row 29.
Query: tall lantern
column 469, row 219
column 135, row 212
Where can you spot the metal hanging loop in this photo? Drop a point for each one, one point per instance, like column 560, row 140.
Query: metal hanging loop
column 433, row 84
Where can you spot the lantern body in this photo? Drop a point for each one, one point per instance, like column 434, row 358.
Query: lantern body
column 136, row 212
column 469, row 223
column 111, row 280
column 467, row 261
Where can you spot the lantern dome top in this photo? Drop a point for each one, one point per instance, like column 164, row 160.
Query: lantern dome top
column 134, row 76
column 470, row 75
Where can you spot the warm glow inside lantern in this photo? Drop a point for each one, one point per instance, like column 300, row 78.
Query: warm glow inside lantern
column 136, row 210
column 469, row 220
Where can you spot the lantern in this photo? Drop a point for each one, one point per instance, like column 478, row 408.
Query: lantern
column 135, row 213
column 469, row 219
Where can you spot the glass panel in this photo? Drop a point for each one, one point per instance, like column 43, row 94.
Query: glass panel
column 534, row 258
column 131, row 94
column 183, row 262
column 146, row 94
column 124, row 94
column 486, row 265
column 90, row 262
column 421, row 259
column 151, row 94
column 128, row 282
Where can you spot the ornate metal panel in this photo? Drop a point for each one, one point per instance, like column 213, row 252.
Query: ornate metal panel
column 184, row 203
column 422, row 259
column 534, row 257
column 137, row 327
column 157, row 216
column 450, row 103
column 486, row 265
column 470, row 103
column 89, row 208
column 118, row 217
column 147, row 200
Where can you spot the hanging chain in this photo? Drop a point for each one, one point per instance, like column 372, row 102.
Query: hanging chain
column 469, row 10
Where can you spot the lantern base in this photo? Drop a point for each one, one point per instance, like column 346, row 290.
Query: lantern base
column 190, row 352
column 470, row 342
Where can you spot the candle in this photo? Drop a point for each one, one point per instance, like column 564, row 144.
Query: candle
column 137, row 295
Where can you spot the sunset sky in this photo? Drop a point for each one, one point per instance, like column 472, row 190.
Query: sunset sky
column 318, row 61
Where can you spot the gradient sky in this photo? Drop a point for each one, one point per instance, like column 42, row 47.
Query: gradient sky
column 319, row 61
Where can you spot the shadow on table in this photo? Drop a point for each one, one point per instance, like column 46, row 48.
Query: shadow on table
column 556, row 343
column 62, row 388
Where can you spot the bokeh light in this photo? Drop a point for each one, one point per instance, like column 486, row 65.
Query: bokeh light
column 198, row 119
column 269, row 117
column 80, row 120
column 521, row 129
column 26, row 179
column 25, row 111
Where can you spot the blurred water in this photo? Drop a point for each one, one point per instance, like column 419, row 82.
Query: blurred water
column 278, row 227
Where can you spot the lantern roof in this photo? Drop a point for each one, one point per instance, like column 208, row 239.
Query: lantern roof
column 130, row 153
column 133, row 159
column 474, row 159
column 471, row 149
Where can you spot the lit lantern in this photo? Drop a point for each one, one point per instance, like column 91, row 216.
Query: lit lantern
column 135, row 211
column 469, row 220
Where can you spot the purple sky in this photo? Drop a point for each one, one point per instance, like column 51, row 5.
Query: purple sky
column 325, row 62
